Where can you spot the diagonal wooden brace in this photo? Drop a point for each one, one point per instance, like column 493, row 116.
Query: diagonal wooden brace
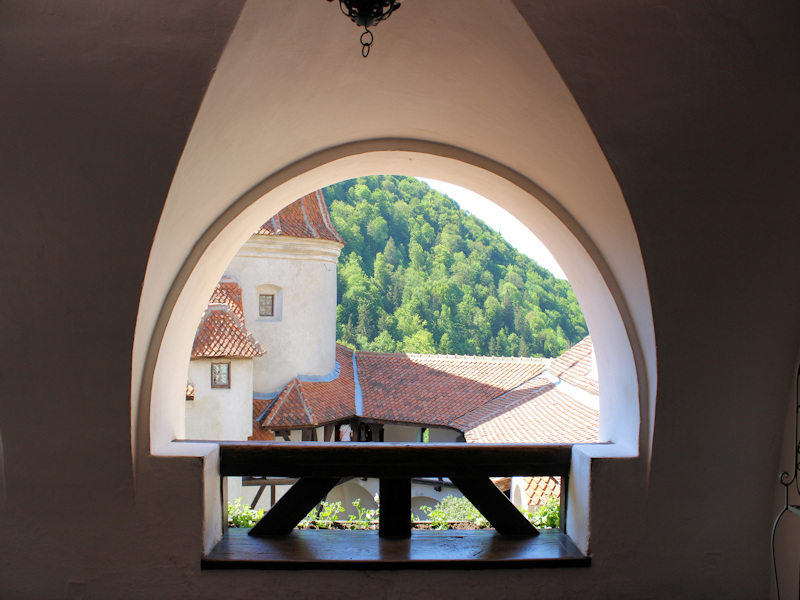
column 493, row 504
column 295, row 504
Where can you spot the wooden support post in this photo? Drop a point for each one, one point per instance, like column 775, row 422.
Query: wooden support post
column 562, row 504
column 295, row 504
column 493, row 504
column 395, row 508
column 258, row 495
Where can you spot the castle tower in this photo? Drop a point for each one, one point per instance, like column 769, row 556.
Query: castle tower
column 287, row 272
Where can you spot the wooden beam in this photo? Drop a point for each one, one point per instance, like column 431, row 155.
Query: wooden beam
column 269, row 481
column 258, row 496
column 493, row 504
column 392, row 459
column 295, row 504
column 562, row 503
column 365, row 550
column 395, row 508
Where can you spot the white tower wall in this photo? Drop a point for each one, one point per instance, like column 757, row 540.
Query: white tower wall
column 300, row 338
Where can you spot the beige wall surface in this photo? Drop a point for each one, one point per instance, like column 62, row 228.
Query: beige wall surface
column 300, row 339
column 669, row 148
column 220, row 413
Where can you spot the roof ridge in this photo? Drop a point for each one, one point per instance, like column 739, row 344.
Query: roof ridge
column 305, row 217
column 306, row 405
column 323, row 211
column 474, row 408
column 278, row 403
column 522, row 359
column 534, row 393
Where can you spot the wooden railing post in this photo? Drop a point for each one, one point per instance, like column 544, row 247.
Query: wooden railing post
column 395, row 507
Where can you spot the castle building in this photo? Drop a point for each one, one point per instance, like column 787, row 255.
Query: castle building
column 655, row 143
column 295, row 390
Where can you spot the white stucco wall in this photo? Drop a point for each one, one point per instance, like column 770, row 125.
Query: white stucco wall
column 301, row 336
column 695, row 107
column 220, row 413
column 401, row 433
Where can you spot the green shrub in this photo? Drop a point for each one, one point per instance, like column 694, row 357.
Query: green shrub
column 322, row 516
column 364, row 518
column 241, row 515
column 452, row 508
column 547, row 515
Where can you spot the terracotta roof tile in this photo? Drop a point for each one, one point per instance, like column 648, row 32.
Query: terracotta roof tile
column 575, row 365
column 292, row 407
column 260, row 434
column 304, row 218
column 228, row 292
column 536, row 413
column 436, row 389
column 539, row 489
column 334, row 400
column 221, row 332
column 497, row 400
column 307, row 403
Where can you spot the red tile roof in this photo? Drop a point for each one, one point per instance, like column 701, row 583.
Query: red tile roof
column 221, row 332
column 334, row 400
column 311, row 403
column 304, row 218
column 538, row 489
column 228, row 292
column 260, row 434
column 575, row 365
column 537, row 412
column 489, row 399
column 436, row 389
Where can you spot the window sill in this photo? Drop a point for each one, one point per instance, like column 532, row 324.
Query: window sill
column 365, row 550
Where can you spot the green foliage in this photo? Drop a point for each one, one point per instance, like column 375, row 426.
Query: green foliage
column 546, row 516
column 241, row 515
column 452, row 508
column 418, row 274
column 365, row 519
column 322, row 516
column 449, row 510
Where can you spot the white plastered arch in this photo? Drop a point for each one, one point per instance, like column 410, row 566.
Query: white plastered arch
column 619, row 350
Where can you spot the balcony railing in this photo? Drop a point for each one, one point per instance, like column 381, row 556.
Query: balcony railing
column 319, row 466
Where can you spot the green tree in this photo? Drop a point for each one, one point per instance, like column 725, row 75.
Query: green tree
column 419, row 273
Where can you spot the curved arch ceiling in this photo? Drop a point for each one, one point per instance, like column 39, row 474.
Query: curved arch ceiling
column 292, row 83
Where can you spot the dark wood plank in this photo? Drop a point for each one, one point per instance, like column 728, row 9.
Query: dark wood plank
column 364, row 550
column 391, row 459
column 562, row 503
column 270, row 481
column 395, row 508
column 295, row 504
column 258, row 496
column 493, row 504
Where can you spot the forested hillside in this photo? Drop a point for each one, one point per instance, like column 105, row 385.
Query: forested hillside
column 418, row 274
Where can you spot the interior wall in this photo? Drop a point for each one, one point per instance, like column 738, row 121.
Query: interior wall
column 700, row 125
column 96, row 104
column 695, row 106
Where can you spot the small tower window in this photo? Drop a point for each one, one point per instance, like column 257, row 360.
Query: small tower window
column 220, row 375
column 266, row 305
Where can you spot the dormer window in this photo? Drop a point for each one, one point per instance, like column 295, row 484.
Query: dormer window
column 221, row 375
column 266, row 305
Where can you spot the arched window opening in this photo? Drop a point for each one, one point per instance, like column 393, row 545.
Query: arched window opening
column 618, row 348
column 437, row 330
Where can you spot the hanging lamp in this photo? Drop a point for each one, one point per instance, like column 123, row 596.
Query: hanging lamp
column 366, row 14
